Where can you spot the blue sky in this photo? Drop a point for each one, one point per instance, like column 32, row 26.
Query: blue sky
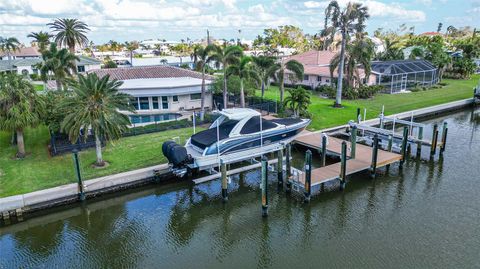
column 178, row 19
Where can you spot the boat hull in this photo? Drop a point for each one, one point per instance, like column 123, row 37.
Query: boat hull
column 236, row 149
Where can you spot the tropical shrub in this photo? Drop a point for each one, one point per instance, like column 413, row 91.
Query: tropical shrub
column 233, row 85
column 298, row 101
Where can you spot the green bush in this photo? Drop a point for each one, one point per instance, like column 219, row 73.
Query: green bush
column 416, row 89
column 35, row 77
column 442, row 83
column 233, row 86
column 326, row 90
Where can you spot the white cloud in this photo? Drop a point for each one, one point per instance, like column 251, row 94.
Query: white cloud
column 378, row 9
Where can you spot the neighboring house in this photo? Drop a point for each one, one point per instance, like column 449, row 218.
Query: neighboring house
column 22, row 53
column 29, row 66
column 87, row 63
column 316, row 65
column 20, row 66
column 161, row 90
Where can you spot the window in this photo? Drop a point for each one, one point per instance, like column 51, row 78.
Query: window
column 155, row 102
column 195, row 96
column 134, row 102
column 144, row 103
column 305, row 77
column 327, row 81
column 319, row 78
column 81, row 68
column 164, row 102
column 175, row 98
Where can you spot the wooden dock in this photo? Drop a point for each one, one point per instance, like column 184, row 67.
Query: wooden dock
column 362, row 161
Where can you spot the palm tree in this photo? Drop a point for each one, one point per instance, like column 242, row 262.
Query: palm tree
column 245, row 71
column 347, row 21
column 95, row 105
column 59, row 62
column 265, row 66
column 292, row 66
column 392, row 50
column 70, row 32
column 203, row 57
column 298, row 100
column 9, row 45
column 225, row 56
column 131, row 46
column 358, row 54
column 20, row 107
column 41, row 38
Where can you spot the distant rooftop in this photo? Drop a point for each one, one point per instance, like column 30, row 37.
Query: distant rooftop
column 157, row 83
column 24, row 52
column 148, row 72
column 313, row 57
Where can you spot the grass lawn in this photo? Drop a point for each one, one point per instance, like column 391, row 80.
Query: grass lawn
column 38, row 87
column 324, row 115
column 39, row 171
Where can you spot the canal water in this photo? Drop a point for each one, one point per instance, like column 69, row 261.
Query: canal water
column 426, row 216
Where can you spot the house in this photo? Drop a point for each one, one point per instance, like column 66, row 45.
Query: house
column 29, row 66
column 22, row 53
column 87, row 63
column 161, row 90
column 316, row 65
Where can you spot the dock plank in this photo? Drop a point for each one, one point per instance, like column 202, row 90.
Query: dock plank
column 362, row 161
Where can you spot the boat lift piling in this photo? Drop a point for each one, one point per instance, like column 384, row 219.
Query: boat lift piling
column 404, row 146
column 308, row 176
column 280, row 168
column 323, row 150
column 433, row 147
column 288, row 168
column 223, row 169
column 264, row 186
column 353, row 142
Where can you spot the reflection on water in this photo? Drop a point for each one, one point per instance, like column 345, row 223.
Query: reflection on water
column 425, row 216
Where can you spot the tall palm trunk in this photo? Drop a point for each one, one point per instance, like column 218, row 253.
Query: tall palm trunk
column 225, row 99
column 341, row 66
column 98, row 150
column 242, row 94
column 263, row 88
column 282, row 88
column 20, row 144
column 202, row 101
column 131, row 58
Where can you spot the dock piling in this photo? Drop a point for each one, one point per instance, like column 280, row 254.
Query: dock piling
column 389, row 147
column 419, row 142
column 343, row 168
column 223, row 169
column 280, row 168
column 444, row 137
column 323, row 152
column 433, row 148
column 288, row 167
column 264, row 186
column 353, row 142
column 76, row 164
column 404, row 146
column 373, row 168
column 359, row 115
column 308, row 176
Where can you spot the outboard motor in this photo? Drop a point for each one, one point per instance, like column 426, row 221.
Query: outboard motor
column 177, row 156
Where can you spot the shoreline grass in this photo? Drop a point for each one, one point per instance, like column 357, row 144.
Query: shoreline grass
column 325, row 116
column 39, row 170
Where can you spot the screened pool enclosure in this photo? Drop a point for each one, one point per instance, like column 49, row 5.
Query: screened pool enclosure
column 402, row 75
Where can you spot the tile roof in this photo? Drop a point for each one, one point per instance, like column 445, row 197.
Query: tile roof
column 313, row 57
column 24, row 52
column 140, row 72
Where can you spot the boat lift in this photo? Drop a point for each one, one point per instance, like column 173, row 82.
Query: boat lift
column 388, row 135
